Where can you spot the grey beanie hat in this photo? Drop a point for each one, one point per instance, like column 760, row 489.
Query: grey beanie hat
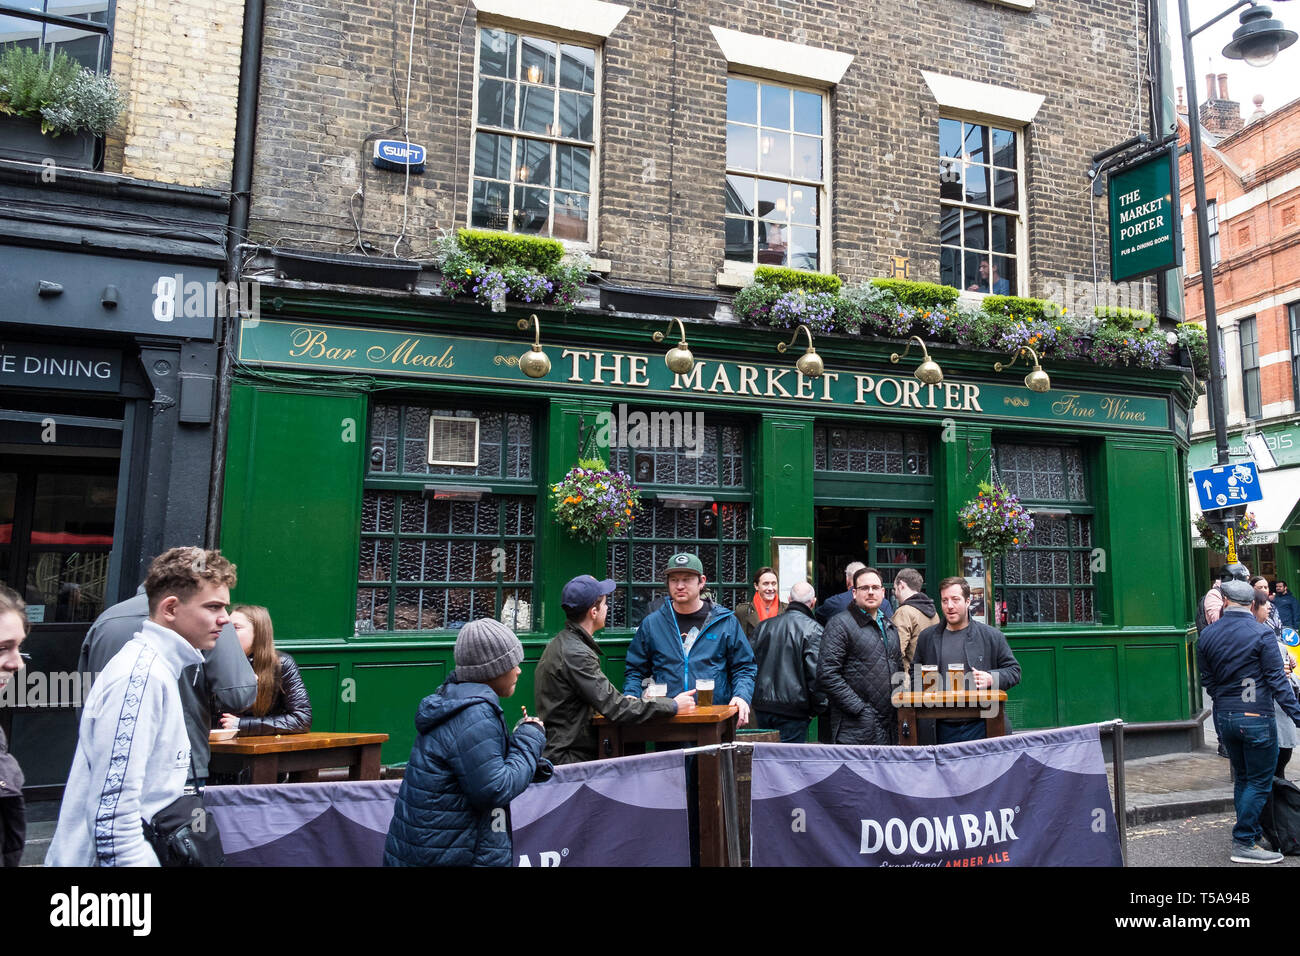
column 485, row 649
column 1238, row 592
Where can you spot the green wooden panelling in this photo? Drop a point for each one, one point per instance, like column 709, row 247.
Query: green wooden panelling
column 291, row 518
column 1033, row 702
column 388, row 693
column 1154, row 682
column 1138, row 512
column 322, row 683
column 1089, row 684
column 783, row 485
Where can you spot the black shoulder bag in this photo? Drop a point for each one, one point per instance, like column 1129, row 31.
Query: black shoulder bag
column 184, row 833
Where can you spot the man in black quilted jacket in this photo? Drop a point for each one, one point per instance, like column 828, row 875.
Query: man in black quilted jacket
column 859, row 655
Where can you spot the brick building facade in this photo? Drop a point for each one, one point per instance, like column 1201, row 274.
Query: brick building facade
column 331, row 82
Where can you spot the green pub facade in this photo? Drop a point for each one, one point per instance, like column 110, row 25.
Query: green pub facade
column 369, row 556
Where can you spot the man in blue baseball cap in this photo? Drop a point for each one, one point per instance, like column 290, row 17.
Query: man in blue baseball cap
column 570, row 686
column 690, row 638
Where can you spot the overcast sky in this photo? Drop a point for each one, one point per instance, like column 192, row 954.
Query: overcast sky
column 1277, row 82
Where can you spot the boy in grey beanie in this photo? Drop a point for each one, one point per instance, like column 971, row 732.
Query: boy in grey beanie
column 453, row 808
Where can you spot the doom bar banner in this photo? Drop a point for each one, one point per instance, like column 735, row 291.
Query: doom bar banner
column 1035, row 799
column 630, row 811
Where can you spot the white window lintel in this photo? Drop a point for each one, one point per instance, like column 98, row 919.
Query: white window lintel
column 589, row 18
column 983, row 99
column 781, row 58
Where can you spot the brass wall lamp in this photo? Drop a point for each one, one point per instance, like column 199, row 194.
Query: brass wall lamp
column 810, row 364
column 928, row 372
column 1037, row 380
column 534, row 363
column 678, row 358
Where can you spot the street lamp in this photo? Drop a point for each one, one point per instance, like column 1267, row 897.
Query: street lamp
column 1257, row 41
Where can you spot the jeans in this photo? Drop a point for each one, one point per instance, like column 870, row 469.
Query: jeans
column 956, row 731
column 793, row 730
column 1251, row 742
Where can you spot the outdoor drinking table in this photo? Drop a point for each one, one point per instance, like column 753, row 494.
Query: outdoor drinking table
column 950, row 705
column 700, row 728
column 300, row 755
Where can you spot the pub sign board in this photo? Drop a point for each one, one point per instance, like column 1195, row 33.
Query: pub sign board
column 41, row 365
column 1143, row 219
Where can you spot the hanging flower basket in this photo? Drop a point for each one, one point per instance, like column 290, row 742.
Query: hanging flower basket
column 1243, row 532
column 995, row 521
column 592, row 503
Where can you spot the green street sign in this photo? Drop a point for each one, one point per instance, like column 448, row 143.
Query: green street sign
column 1143, row 219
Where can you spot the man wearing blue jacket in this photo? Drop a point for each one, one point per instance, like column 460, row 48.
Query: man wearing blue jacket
column 688, row 639
column 1288, row 608
column 1242, row 671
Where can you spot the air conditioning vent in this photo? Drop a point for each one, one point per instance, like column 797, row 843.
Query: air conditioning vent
column 453, row 441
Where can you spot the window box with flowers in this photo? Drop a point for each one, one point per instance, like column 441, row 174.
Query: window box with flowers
column 52, row 108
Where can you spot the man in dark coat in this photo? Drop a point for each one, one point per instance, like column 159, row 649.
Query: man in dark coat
column 570, row 686
column 453, row 808
column 1288, row 608
column 859, row 656
column 841, row 601
column 982, row 650
column 785, row 651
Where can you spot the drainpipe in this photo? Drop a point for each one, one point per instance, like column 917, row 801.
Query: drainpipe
column 241, row 186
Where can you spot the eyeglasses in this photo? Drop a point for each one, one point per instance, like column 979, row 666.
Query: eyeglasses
column 870, row 587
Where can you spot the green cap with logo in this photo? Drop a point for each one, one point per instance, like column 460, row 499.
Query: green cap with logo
column 684, row 561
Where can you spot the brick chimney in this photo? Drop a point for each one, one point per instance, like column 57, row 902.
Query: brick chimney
column 1220, row 115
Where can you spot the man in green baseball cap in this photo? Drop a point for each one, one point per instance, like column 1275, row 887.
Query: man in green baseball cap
column 689, row 638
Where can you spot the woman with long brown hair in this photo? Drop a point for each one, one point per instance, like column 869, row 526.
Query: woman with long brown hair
column 282, row 705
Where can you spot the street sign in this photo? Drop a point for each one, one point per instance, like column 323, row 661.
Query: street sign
column 1227, row 485
column 1143, row 219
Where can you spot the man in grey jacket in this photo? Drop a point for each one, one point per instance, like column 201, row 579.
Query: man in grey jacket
column 982, row 650
column 224, row 679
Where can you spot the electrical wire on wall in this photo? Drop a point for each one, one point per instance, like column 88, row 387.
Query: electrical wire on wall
column 406, row 127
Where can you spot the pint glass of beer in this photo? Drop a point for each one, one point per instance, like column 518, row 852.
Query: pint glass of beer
column 957, row 676
column 704, row 693
column 930, row 678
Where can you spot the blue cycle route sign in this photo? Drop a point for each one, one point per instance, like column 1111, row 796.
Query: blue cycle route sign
column 1226, row 485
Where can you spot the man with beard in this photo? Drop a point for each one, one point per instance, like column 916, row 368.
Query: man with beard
column 859, row 656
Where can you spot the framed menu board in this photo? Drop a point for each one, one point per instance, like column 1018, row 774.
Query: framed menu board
column 792, row 558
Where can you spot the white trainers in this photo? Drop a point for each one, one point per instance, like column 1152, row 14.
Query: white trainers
column 1253, row 854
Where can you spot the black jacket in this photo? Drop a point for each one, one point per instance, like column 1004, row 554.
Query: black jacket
column 855, row 671
column 13, row 817
column 786, row 649
column 986, row 650
column 290, row 711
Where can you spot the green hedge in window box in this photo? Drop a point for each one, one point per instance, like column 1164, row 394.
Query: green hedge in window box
column 466, row 273
column 1125, row 319
column 919, row 295
column 791, row 280
column 508, row 249
column 1022, row 307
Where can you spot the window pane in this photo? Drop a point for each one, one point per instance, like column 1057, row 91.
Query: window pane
column 976, row 278
column 775, row 101
column 491, row 200
column 577, row 68
column 531, row 210
column 26, row 33
column 1004, row 234
column 950, row 226
column 976, row 142
column 1005, row 194
column 977, row 184
column 950, row 137
column 774, row 153
column 538, row 61
column 804, row 204
column 534, row 163
column 537, row 110
column 497, row 53
column 1004, row 148
column 492, row 156
column 772, row 201
column 740, row 243
column 950, row 179
column 807, row 113
column 742, row 147
column 740, row 195
column 81, row 45
column 577, row 116
column 571, row 216
column 1003, row 276
column 803, row 252
column 950, row 266
column 975, row 229
column 742, row 100
column 807, row 157
column 573, row 168
column 496, row 103
column 772, row 244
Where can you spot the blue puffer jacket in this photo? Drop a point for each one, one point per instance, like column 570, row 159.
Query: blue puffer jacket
column 464, row 766
column 721, row 651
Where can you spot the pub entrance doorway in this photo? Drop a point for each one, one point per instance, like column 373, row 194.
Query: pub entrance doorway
column 887, row 539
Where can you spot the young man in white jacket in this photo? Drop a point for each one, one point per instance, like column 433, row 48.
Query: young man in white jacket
column 133, row 751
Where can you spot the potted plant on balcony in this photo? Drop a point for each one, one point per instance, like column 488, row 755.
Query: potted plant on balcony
column 53, row 109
